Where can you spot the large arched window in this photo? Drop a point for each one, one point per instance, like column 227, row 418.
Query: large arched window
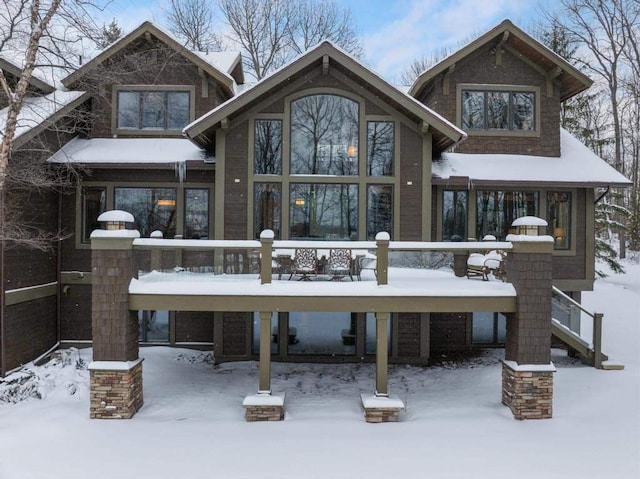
column 324, row 136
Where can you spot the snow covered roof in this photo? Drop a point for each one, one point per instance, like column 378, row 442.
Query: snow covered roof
column 41, row 111
column 329, row 56
column 223, row 61
column 129, row 151
column 576, row 165
column 42, row 78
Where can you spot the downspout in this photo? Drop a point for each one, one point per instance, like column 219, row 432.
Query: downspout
column 3, row 353
column 59, row 272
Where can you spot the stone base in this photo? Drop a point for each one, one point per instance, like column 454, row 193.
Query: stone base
column 381, row 409
column 264, row 407
column 115, row 389
column 528, row 390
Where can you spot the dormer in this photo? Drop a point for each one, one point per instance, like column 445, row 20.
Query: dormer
column 148, row 84
column 504, row 90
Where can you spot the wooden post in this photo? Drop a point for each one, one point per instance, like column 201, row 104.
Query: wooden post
column 597, row 340
column 382, row 353
column 264, row 386
column 382, row 243
column 266, row 260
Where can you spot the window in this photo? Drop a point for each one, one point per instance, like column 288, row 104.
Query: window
column 496, row 210
column 268, row 147
column 379, row 210
column 153, row 326
column 323, row 211
column 322, row 333
column 267, row 201
column 94, row 202
column 196, row 213
column 454, row 215
column 152, row 208
column 153, row 110
column 380, row 146
column 498, row 110
column 324, row 136
column 489, row 328
column 559, row 217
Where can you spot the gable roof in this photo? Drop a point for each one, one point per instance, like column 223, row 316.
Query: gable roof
column 228, row 62
column 40, row 112
column 14, row 67
column 572, row 81
column 445, row 134
column 147, row 28
column 577, row 165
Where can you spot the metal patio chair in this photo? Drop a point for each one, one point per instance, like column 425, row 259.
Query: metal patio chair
column 340, row 264
column 305, row 264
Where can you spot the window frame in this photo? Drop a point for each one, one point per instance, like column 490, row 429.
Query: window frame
column 190, row 89
column 110, row 186
column 286, row 179
column 511, row 89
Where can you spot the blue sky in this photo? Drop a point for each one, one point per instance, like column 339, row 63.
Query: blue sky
column 393, row 32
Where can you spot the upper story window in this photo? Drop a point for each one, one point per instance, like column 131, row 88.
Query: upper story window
column 324, row 135
column 504, row 110
column 153, row 110
column 380, row 148
column 267, row 147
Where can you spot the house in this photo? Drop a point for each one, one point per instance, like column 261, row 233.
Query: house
column 321, row 150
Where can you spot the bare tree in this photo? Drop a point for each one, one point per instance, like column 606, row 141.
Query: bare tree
column 318, row 20
column 193, row 21
column 272, row 33
column 35, row 34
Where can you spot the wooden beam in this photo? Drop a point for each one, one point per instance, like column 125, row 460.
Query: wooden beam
column 325, row 64
column 224, row 124
column 204, row 82
column 498, row 47
column 265, row 351
column 382, row 354
column 445, row 80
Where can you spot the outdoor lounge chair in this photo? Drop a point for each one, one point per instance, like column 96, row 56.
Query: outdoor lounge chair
column 367, row 262
column 305, row 264
column 340, row 264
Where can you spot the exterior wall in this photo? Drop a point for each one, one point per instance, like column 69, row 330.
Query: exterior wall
column 235, row 193
column 411, row 194
column 450, row 332
column 143, row 64
column 480, row 68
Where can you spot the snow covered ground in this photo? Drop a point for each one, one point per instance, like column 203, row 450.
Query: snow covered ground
column 192, row 426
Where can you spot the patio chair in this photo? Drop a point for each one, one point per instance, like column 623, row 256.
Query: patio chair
column 367, row 262
column 481, row 265
column 305, row 264
column 340, row 264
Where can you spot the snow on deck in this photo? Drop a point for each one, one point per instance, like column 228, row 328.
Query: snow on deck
column 403, row 282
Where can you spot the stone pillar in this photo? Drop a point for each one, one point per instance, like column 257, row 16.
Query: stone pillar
column 116, row 370
column 527, row 372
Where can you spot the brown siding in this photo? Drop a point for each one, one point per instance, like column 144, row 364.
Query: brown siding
column 480, row 68
column 30, row 330
column 75, row 323
column 408, row 335
column 235, row 195
column 410, row 195
column 574, row 267
column 194, row 326
column 143, row 64
column 448, row 332
column 236, row 330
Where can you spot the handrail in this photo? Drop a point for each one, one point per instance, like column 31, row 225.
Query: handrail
column 152, row 243
column 573, row 301
column 449, row 245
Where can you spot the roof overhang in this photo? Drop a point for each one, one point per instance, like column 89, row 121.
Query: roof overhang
column 445, row 134
column 16, row 71
column 577, row 166
column 147, row 28
column 506, row 35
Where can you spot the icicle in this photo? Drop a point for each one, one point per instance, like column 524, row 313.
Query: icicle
column 181, row 170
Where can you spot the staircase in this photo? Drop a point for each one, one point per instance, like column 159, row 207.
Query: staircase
column 566, row 327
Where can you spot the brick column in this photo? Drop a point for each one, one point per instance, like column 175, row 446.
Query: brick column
column 527, row 372
column 116, row 370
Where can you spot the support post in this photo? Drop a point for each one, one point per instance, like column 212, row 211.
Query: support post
column 264, row 406
column 382, row 255
column 265, row 353
column 597, row 340
column 382, row 354
column 116, row 370
column 527, row 371
column 266, row 258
